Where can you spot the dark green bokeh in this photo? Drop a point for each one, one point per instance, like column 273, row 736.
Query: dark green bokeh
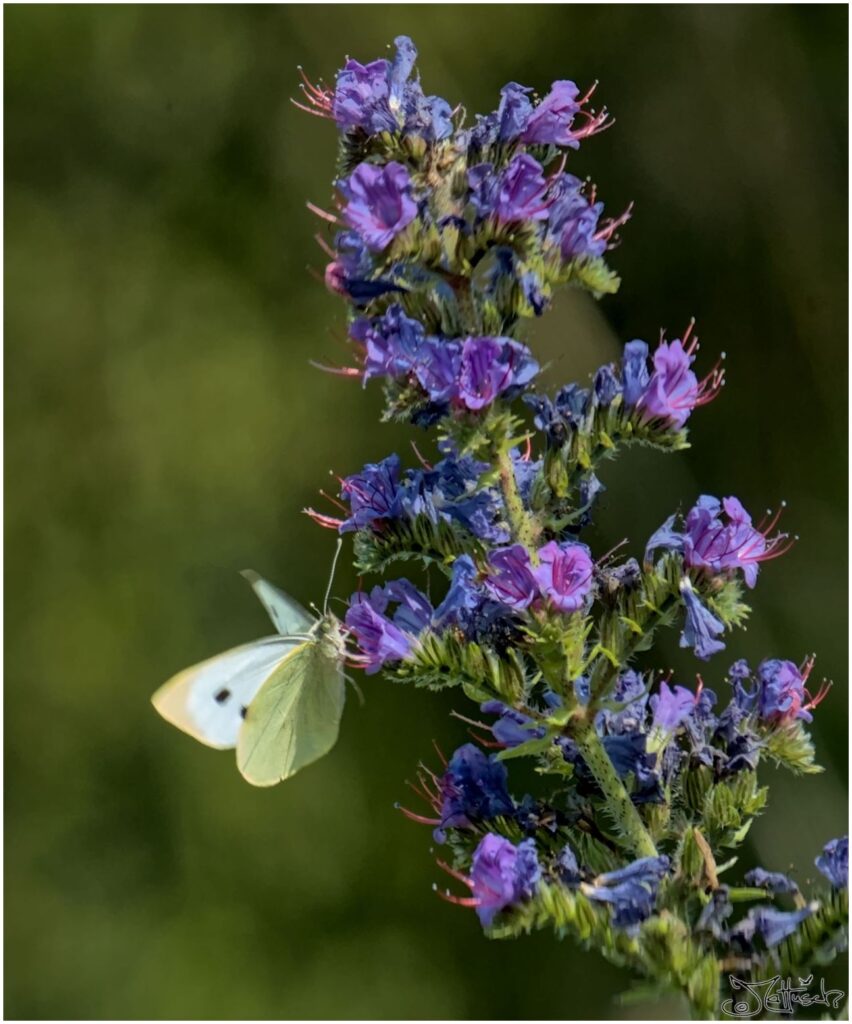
column 164, row 429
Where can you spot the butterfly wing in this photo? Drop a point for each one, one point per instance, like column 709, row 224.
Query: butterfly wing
column 208, row 701
column 295, row 717
column 288, row 616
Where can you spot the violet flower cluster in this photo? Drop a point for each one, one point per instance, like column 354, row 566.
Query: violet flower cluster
column 444, row 235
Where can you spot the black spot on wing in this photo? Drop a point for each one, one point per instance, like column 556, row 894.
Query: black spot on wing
column 243, row 711
column 222, row 696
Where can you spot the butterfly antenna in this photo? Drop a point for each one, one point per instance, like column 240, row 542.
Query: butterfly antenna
column 331, row 576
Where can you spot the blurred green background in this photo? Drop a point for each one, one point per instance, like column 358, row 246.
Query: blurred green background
column 164, row 429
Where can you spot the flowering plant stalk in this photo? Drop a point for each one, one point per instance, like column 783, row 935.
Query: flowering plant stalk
column 446, row 237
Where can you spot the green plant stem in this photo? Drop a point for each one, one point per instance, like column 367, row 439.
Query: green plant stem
column 618, row 801
column 523, row 526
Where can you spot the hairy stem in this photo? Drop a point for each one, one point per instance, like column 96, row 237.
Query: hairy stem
column 523, row 526
column 619, row 804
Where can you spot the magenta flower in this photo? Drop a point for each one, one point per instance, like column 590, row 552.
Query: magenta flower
column 719, row 537
column 564, row 574
column 379, row 202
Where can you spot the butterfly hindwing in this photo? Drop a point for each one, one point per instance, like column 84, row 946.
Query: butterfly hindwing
column 208, row 701
column 295, row 717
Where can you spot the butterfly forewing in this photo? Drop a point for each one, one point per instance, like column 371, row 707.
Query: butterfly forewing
column 288, row 616
column 208, row 701
column 295, row 717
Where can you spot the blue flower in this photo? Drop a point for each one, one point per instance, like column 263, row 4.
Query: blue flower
column 512, row 727
column 701, row 628
column 768, row 924
column 573, row 220
column 463, row 597
column 833, row 862
column 567, row 867
column 379, row 202
column 772, row 881
column 392, row 343
column 634, row 371
column 473, row 789
column 514, row 111
column 631, row 891
column 782, row 691
column 373, row 495
column 630, row 756
column 502, row 875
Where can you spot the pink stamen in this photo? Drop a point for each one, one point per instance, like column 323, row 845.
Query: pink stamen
column 459, row 901
column 326, row 248
column 419, row 818
column 339, row 371
column 329, row 522
column 822, row 693
column 323, row 214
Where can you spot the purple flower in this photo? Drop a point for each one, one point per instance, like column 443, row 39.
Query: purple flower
column 550, row 122
column 634, row 371
column 502, row 874
column 772, row 881
column 717, row 544
column 379, row 97
column 671, row 707
column 361, row 97
column 384, row 639
column 564, row 574
column 490, row 366
column 631, row 891
column 833, row 862
column 514, row 111
column 701, row 628
column 373, row 494
column 522, row 190
column 473, row 788
column 672, row 392
column 379, row 202
column 512, row 581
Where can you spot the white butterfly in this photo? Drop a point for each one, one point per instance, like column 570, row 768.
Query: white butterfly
column 278, row 700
